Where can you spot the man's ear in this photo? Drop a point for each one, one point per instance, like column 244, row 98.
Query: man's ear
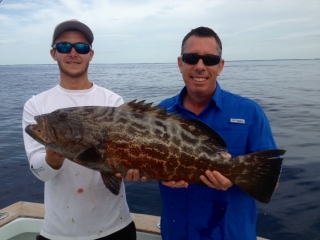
column 221, row 65
column 91, row 54
column 180, row 62
column 53, row 54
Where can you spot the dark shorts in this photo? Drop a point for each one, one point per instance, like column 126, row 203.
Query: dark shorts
column 127, row 233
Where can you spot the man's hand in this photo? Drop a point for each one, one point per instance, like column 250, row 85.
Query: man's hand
column 173, row 184
column 54, row 159
column 212, row 179
column 132, row 175
column 216, row 180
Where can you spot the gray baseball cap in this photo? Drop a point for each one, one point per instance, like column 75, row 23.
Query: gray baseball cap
column 72, row 24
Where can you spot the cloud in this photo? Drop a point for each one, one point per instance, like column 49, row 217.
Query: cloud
column 152, row 31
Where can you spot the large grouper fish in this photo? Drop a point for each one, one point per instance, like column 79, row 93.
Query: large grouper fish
column 162, row 146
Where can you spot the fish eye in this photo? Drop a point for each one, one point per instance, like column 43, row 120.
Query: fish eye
column 63, row 115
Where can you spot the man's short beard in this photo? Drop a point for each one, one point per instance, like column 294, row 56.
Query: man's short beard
column 73, row 75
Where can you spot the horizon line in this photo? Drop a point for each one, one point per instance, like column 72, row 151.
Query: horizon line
column 254, row 60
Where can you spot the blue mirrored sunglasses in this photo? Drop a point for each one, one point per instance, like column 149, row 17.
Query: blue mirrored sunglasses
column 65, row 47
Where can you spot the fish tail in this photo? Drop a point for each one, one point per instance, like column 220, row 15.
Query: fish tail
column 258, row 173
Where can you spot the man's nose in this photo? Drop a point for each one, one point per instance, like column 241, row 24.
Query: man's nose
column 200, row 66
column 73, row 51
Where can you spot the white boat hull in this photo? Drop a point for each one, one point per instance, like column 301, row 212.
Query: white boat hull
column 29, row 228
column 24, row 221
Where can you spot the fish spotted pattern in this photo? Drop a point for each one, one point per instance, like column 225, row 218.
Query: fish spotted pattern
column 162, row 146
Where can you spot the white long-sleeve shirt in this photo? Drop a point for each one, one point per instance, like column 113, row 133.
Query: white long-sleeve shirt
column 77, row 203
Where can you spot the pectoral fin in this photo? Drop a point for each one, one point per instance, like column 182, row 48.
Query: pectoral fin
column 92, row 154
column 112, row 182
column 92, row 158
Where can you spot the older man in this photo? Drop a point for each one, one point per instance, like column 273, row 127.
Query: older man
column 222, row 210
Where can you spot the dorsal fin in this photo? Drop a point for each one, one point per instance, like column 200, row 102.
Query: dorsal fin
column 197, row 127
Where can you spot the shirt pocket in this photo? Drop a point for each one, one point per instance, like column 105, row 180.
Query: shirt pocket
column 235, row 136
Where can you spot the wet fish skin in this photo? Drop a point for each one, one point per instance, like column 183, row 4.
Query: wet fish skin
column 162, row 146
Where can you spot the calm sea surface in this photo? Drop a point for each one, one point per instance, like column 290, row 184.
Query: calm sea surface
column 288, row 91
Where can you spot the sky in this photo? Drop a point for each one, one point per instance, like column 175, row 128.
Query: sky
column 151, row 31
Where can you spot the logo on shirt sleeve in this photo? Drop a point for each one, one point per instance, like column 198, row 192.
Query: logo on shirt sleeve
column 36, row 171
column 237, row 120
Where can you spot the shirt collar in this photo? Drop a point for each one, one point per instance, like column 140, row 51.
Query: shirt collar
column 215, row 100
column 217, row 96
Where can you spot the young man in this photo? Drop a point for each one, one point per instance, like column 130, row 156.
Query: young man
column 77, row 203
column 223, row 210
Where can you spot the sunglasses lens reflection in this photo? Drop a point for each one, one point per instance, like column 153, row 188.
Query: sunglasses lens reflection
column 81, row 48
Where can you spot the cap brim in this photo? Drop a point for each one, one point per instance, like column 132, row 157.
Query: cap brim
column 73, row 25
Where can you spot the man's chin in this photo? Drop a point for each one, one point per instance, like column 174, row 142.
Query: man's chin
column 74, row 73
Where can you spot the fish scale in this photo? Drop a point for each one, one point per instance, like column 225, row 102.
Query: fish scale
column 162, row 146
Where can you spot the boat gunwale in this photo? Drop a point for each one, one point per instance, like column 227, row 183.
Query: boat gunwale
column 144, row 223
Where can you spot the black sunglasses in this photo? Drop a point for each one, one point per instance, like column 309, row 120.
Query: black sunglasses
column 65, row 47
column 208, row 60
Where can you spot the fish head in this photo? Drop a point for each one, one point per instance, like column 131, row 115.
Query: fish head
column 68, row 131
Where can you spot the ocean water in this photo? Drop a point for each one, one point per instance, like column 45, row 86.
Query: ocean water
column 288, row 91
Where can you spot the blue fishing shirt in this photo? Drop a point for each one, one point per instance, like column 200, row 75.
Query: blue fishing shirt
column 199, row 212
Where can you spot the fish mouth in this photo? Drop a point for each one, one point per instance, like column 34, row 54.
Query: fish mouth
column 41, row 131
column 34, row 131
